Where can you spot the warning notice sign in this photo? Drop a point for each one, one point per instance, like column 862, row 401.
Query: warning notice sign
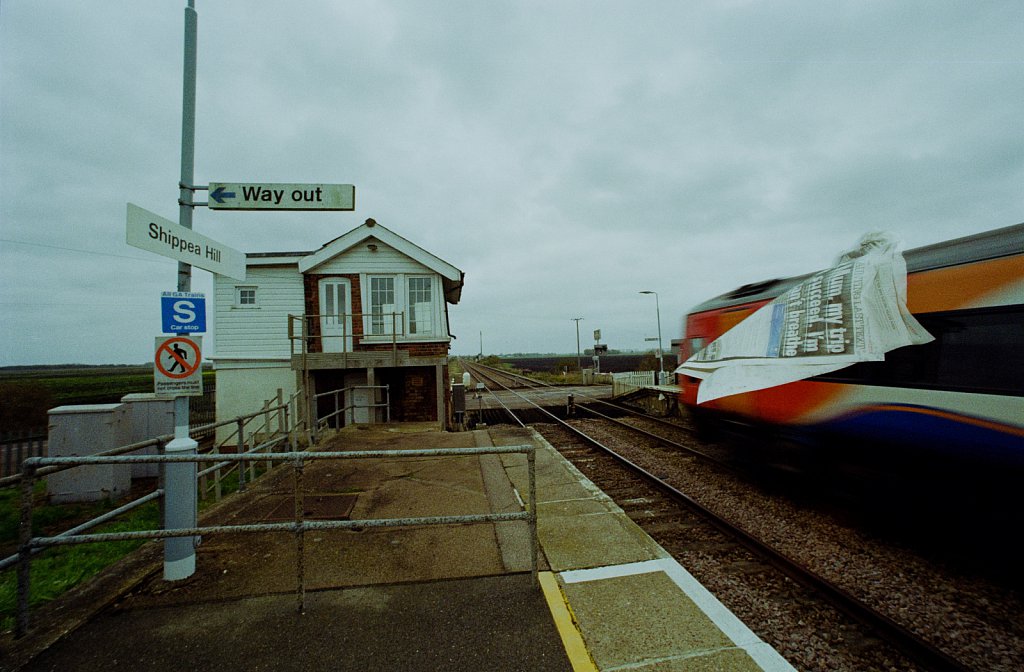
column 177, row 366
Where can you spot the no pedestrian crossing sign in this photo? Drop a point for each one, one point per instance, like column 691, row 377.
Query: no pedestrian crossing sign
column 177, row 366
column 183, row 312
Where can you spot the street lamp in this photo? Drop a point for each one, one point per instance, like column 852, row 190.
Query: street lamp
column 657, row 307
column 579, row 364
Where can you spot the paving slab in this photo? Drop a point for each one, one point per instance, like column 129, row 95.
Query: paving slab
column 454, row 597
column 462, row 625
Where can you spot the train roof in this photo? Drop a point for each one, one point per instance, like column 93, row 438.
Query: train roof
column 1003, row 242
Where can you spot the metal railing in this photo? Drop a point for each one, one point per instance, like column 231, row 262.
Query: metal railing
column 286, row 415
column 35, row 467
column 243, row 460
column 338, row 395
column 300, row 328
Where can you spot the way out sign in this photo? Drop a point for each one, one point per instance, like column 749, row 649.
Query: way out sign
column 249, row 196
column 177, row 366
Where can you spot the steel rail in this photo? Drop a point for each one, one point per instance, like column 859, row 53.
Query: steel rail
column 907, row 641
column 590, row 399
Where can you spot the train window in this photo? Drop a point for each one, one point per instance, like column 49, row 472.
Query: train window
column 973, row 351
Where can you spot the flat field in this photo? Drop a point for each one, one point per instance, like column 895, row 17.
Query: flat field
column 82, row 384
column 28, row 392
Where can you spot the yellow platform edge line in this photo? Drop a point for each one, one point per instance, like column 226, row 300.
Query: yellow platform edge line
column 572, row 640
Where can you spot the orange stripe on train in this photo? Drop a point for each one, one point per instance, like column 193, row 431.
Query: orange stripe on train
column 961, row 286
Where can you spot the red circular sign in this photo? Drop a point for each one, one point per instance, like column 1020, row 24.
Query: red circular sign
column 177, row 358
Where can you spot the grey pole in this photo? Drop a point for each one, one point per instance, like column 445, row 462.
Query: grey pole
column 579, row 363
column 180, row 506
column 657, row 307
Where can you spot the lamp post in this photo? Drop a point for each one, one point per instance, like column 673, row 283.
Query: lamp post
column 657, row 307
column 579, row 363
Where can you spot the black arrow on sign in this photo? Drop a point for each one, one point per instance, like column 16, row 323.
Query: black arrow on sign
column 219, row 194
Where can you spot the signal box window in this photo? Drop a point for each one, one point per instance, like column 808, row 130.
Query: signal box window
column 382, row 305
column 421, row 306
column 245, row 297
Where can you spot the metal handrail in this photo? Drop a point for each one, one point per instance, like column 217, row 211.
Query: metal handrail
column 339, row 410
column 139, row 445
column 33, row 466
column 304, row 335
column 117, row 456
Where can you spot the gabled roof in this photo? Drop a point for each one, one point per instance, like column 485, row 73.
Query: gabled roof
column 451, row 277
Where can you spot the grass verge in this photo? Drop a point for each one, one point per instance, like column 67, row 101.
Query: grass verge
column 61, row 568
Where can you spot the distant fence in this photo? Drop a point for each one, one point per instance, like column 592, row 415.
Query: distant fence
column 630, row 381
column 16, row 447
column 203, row 410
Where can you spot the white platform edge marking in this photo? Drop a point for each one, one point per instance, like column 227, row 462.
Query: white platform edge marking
column 764, row 655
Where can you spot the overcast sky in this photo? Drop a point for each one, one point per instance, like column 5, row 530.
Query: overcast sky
column 564, row 155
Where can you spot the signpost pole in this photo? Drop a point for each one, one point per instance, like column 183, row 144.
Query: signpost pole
column 180, row 501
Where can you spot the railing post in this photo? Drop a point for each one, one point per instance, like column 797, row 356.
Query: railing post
column 531, row 469
column 314, row 416
column 266, row 422
column 241, row 452
column 218, row 492
column 202, row 481
column 161, row 479
column 288, row 430
column 300, row 561
column 282, row 424
column 28, row 481
column 180, row 510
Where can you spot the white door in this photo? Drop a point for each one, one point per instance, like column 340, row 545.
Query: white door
column 335, row 316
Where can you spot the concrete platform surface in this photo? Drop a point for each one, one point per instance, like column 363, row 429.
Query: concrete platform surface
column 452, row 597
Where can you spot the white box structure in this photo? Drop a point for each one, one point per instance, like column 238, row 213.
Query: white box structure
column 148, row 416
column 87, row 430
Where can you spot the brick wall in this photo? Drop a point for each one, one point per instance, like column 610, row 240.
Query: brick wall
column 413, row 393
column 311, row 285
column 414, row 349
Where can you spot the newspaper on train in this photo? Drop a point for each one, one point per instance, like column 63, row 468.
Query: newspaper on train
column 853, row 312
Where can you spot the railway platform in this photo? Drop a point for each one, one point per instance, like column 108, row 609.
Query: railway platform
column 453, row 597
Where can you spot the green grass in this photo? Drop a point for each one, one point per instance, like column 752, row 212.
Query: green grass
column 57, row 570
column 61, row 568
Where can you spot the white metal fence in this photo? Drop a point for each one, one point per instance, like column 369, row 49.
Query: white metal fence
column 630, row 381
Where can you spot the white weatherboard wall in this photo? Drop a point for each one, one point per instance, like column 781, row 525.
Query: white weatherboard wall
column 260, row 331
column 251, row 347
column 243, row 386
column 359, row 259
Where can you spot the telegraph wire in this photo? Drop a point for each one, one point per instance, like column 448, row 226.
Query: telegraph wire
column 78, row 249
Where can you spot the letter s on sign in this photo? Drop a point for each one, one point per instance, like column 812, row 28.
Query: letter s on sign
column 184, row 312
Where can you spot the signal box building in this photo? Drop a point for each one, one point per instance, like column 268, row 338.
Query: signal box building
column 366, row 311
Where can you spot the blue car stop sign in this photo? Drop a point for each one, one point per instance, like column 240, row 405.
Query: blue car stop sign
column 183, row 312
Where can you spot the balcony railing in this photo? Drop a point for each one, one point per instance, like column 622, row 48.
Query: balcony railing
column 348, row 337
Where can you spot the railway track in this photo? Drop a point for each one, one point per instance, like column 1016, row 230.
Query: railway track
column 690, row 499
column 497, row 377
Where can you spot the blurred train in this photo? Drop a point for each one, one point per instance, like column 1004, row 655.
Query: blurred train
column 953, row 403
